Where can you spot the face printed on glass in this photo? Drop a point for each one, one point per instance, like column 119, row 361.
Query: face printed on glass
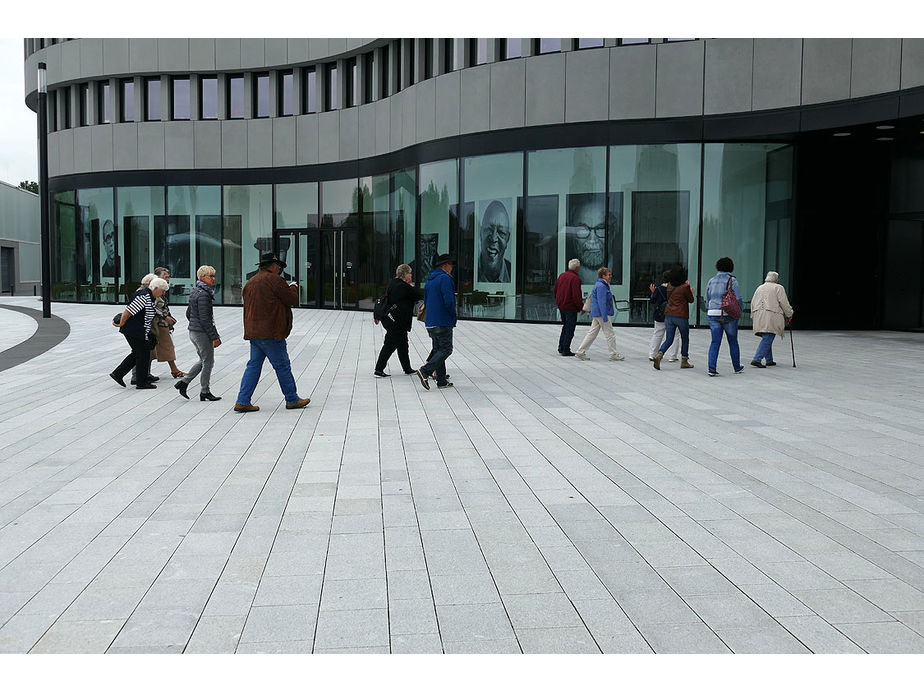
column 495, row 236
column 429, row 242
column 586, row 233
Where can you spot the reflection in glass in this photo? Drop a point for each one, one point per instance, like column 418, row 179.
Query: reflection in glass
column 590, row 43
column 127, row 87
column 102, row 95
column 286, row 83
column 181, row 110
column 549, row 45
column 261, row 106
column 296, row 205
column 236, row 96
column 311, row 91
column 438, row 193
column 152, row 98
column 208, row 102
column 513, row 48
column 84, row 96
column 97, row 263
column 248, row 232
column 332, row 102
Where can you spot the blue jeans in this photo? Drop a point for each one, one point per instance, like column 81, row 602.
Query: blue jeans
column 441, row 337
column 568, row 323
column 765, row 348
column 730, row 330
column 275, row 351
column 672, row 323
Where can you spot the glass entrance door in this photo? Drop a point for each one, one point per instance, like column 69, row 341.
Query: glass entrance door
column 303, row 264
column 339, row 260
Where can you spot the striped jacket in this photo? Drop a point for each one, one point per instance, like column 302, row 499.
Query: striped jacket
column 141, row 307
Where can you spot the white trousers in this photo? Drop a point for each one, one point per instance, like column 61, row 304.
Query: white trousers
column 596, row 325
column 657, row 339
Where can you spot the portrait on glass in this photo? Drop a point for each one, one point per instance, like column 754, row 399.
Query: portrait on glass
column 495, row 242
column 110, row 267
column 594, row 236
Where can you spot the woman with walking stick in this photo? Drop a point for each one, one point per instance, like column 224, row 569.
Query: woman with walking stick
column 769, row 311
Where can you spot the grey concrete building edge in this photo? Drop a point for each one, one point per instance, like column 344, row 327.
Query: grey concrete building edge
column 51, row 332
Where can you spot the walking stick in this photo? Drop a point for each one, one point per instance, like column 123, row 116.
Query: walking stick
column 791, row 344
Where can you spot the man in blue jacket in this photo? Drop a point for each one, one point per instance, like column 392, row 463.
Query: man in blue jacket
column 440, row 302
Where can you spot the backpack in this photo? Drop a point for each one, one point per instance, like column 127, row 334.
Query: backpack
column 382, row 307
column 730, row 305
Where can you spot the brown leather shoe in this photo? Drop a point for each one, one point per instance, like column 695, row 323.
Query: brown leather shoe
column 243, row 408
column 299, row 404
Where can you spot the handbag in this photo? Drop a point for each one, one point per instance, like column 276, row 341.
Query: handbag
column 422, row 312
column 730, row 305
column 586, row 307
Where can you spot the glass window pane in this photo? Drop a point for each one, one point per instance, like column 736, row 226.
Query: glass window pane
column 332, row 98
column 297, row 206
column 152, row 96
column 181, row 109
column 128, row 100
column 85, row 104
column 311, row 92
column 549, row 45
column 247, row 228
column 102, row 91
column 513, row 48
column 439, row 199
column 286, row 83
column 660, row 212
column 96, row 255
column 136, row 209
column 261, row 96
column 236, row 96
column 632, row 41
column 590, row 43
column 491, row 200
column 64, row 246
column 208, row 96
column 339, row 200
column 189, row 236
column 564, row 218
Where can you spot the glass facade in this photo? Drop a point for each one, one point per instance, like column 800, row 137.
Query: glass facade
column 512, row 221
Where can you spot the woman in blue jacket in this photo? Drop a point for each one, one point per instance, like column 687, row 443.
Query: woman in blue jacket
column 719, row 323
column 601, row 308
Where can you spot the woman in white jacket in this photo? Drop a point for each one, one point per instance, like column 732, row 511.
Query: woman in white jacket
column 769, row 311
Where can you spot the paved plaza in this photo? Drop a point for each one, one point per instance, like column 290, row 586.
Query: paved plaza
column 543, row 505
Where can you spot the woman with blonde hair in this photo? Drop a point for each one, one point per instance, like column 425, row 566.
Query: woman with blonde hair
column 402, row 295
column 769, row 311
column 202, row 333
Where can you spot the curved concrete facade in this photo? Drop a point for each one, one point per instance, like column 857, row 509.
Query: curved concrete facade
column 698, row 78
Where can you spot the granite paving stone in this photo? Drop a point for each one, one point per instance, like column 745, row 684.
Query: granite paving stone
column 783, row 512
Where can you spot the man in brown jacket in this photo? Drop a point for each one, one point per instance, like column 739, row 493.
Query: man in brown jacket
column 268, row 302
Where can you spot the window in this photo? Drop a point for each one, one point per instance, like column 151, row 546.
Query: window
column 427, row 58
column 261, row 106
column 66, row 108
column 83, row 92
column 104, row 115
column 478, row 51
column 449, row 63
column 152, row 107
column 285, row 87
column 369, row 78
column 409, row 67
column 331, row 99
column 236, row 96
column 181, row 106
column 676, row 40
column 632, row 41
column 350, row 80
column 208, row 98
column 589, row 43
column 547, row 45
column 384, row 81
column 51, row 111
column 127, row 100
column 513, row 48
column 311, row 91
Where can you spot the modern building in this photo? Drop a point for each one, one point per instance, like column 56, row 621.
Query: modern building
column 20, row 242
column 350, row 156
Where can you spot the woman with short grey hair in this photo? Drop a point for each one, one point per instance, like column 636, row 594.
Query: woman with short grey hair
column 401, row 296
column 202, row 333
column 769, row 310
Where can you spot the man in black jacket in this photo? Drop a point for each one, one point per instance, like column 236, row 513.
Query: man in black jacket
column 402, row 296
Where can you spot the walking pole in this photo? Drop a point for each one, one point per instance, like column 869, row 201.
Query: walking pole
column 791, row 344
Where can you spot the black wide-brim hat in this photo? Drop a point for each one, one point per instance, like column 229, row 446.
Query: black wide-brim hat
column 268, row 258
column 443, row 259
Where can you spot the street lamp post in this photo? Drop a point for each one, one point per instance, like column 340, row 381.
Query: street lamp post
column 43, row 190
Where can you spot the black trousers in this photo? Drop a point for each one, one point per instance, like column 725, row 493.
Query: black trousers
column 140, row 358
column 395, row 340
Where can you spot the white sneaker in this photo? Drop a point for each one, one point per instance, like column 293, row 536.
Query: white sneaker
column 618, row 357
column 651, row 358
column 673, row 360
column 581, row 355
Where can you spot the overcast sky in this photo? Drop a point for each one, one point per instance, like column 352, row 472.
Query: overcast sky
column 18, row 130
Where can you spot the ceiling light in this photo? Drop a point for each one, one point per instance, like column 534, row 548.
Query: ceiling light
column 884, row 139
column 885, row 127
column 843, row 134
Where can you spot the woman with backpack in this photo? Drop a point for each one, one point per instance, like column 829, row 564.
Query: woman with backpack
column 723, row 303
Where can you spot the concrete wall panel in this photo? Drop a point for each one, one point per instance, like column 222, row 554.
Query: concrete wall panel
column 83, row 148
column 426, row 111
column 875, row 66
column 260, row 142
column 545, row 89
column 151, row 144
column 91, row 57
column 825, row 70
column 66, row 152
column 70, row 60
column 349, row 134
column 284, row 138
column 201, row 54
column 142, row 55
column 777, row 73
column 396, row 119
column 207, row 134
column 177, row 152
column 253, row 55
column 125, row 146
column 382, row 126
column 297, row 50
column 276, row 52
column 679, row 91
column 101, row 154
column 508, row 94
column 448, row 104
column 729, row 67
column 633, row 72
column 366, row 130
column 409, row 118
column 306, row 132
column 476, row 99
column 912, row 63
column 328, row 137
column 227, row 54
column 115, row 56
column 586, row 85
column 233, row 144
column 173, row 54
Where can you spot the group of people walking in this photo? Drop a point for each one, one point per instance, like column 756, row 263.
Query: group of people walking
column 671, row 301
column 146, row 324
